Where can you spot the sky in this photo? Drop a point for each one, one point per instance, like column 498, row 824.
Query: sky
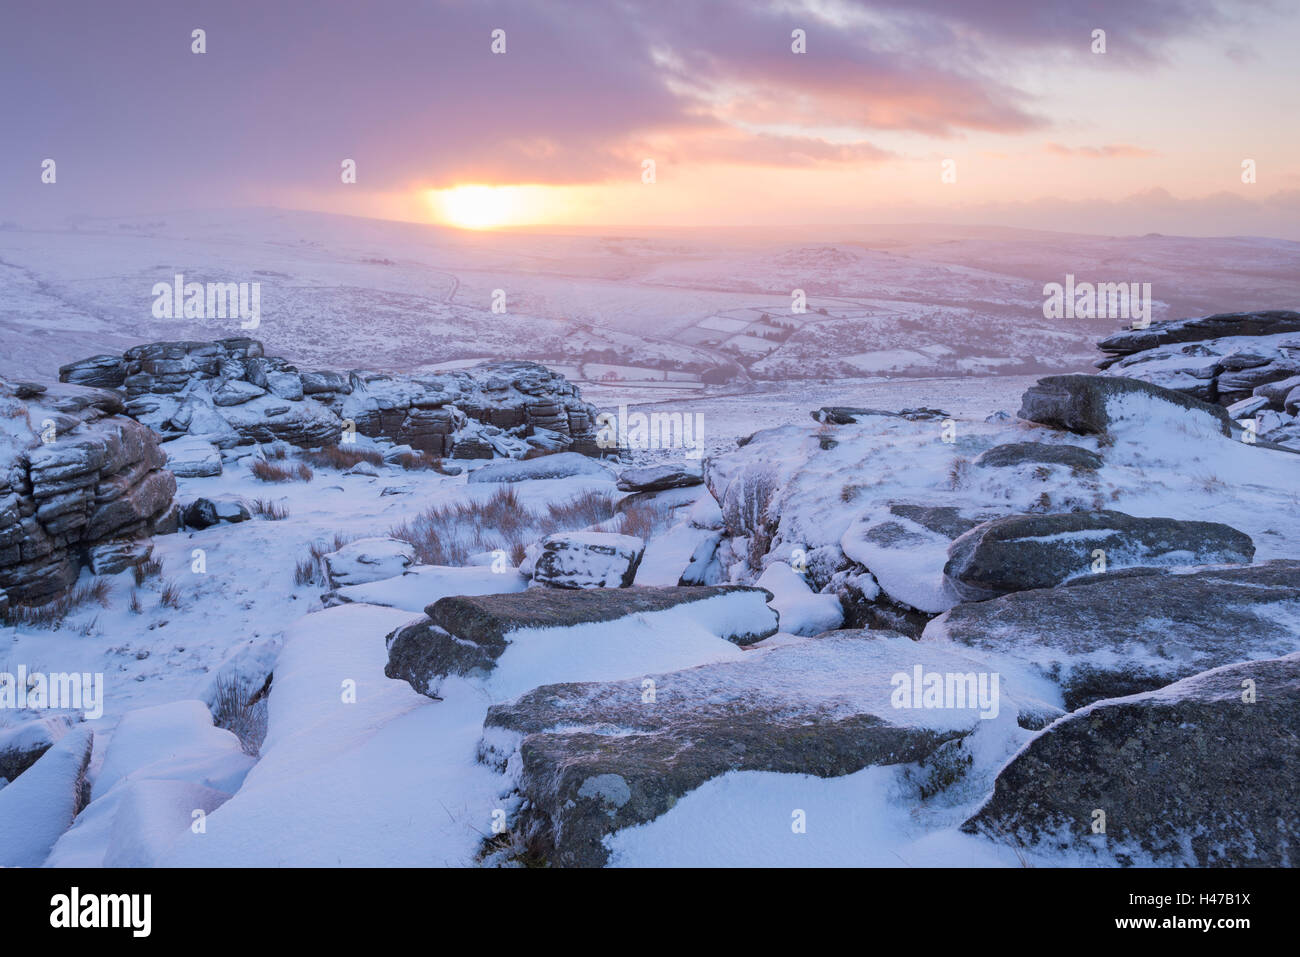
column 963, row 111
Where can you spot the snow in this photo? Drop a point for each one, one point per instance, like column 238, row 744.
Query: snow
column 39, row 805
column 802, row 611
column 369, row 560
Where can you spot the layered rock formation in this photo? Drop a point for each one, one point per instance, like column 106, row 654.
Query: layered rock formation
column 229, row 392
column 74, row 474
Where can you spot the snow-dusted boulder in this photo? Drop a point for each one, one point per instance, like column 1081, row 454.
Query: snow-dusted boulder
column 656, row 478
column 422, row 585
column 22, row 744
column 1039, row 453
column 368, row 560
column 40, row 805
column 1096, row 404
column 468, row 634
column 801, row 611
column 593, row 758
column 588, row 560
column 109, row 558
column 563, row 465
column 1200, row 773
column 191, row 457
column 1020, row 552
column 1127, row 632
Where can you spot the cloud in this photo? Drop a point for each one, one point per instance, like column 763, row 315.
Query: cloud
column 1110, row 151
column 413, row 94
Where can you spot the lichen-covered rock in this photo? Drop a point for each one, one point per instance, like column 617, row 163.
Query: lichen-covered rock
column 1039, row 453
column 1199, row 773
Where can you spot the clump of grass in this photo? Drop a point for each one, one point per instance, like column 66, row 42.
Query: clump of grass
column 52, row 614
column 419, row 461
column 170, row 596
column 270, row 510
column 241, row 711
column 589, row 508
column 340, row 457
column 958, row 471
column 150, row 568
column 270, row 472
column 134, row 605
column 644, row 519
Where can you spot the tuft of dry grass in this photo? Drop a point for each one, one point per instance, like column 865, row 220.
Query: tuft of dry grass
column 241, row 711
column 170, row 596
column 419, row 461
column 338, row 457
column 52, row 614
column 270, row 472
column 134, row 605
column 150, row 568
column 588, row 508
column 311, row 569
column 645, row 519
column 270, row 510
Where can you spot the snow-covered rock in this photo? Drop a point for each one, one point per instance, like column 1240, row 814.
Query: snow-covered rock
column 544, row 629
column 563, row 465
column 589, row 759
column 1020, row 552
column 1198, row 773
column 21, row 745
column 656, row 478
column 40, row 805
column 588, row 560
column 190, row 457
column 422, row 585
column 368, row 560
column 1126, row 632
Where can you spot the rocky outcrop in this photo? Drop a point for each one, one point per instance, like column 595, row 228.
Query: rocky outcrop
column 37, row 808
column 1229, row 359
column 1129, row 632
column 228, row 392
column 1199, row 773
column 467, row 633
column 79, row 476
column 1095, row 404
column 588, row 560
column 1020, row 552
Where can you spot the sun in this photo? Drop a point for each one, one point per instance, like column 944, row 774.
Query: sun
column 475, row 207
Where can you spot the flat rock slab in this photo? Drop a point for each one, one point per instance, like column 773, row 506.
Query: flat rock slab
column 560, row 465
column 368, row 560
column 1128, row 633
column 1191, row 774
column 595, row 757
column 1039, row 453
column 1170, row 331
column 466, row 634
column 1020, row 552
column 1095, row 404
column 656, row 478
